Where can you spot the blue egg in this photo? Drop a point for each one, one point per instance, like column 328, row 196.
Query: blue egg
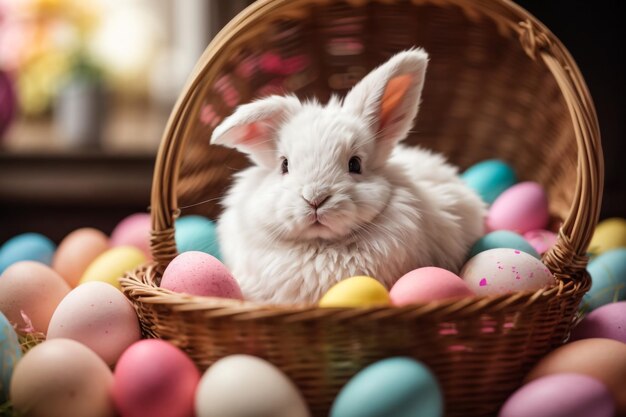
column 10, row 353
column 502, row 239
column 26, row 247
column 398, row 387
column 608, row 279
column 197, row 233
column 490, row 178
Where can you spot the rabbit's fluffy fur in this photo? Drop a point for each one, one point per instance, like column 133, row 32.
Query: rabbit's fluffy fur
column 291, row 230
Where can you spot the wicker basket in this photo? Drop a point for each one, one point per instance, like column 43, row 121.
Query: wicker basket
column 499, row 85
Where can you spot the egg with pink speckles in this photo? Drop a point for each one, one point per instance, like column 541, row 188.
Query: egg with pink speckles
column 199, row 273
column 504, row 271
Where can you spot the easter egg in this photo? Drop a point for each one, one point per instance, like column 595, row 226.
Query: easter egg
column 503, row 271
column 77, row 251
column 609, row 234
column 607, row 321
column 427, row 284
column 199, row 273
column 26, row 247
column 62, row 377
column 521, row 208
column 608, row 279
column 489, row 178
column 541, row 240
column 197, row 233
column 544, row 397
column 357, row 291
column 242, row 385
column 111, row 265
column 154, row 378
column 134, row 231
column 29, row 294
column 10, row 353
column 398, row 387
column 502, row 239
column 602, row 359
column 100, row 317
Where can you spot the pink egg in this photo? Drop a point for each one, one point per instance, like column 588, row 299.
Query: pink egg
column 521, row 208
column 135, row 231
column 504, row 271
column 541, row 240
column 561, row 395
column 154, row 378
column 608, row 322
column 199, row 273
column 428, row 284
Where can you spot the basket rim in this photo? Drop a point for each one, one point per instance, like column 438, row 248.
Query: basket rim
column 567, row 259
column 140, row 286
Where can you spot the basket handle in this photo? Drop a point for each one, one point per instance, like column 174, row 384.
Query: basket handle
column 567, row 259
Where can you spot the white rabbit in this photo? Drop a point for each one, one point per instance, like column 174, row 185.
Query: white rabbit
column 331, row 194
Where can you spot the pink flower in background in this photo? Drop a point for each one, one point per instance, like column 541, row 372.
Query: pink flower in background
column 247, row 67
column 13, row 34
column 225, row 87
column 208, row 116
column 275, row 64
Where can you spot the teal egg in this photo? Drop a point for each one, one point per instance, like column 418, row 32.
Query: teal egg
column 197, row 233
column 490, row 178
column 10, row 353
column 398, row 387
column 26, row 247
column 608, row 279
column 502, row 239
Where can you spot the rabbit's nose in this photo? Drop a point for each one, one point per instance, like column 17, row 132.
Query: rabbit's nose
column 317, row 202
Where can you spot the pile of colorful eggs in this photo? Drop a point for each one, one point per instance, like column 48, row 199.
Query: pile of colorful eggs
column 94, row 363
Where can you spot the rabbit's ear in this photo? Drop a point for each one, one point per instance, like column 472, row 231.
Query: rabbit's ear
column 389, row 96
column 252, row 128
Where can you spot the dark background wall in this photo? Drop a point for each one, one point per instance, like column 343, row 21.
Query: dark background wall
column 594, row 33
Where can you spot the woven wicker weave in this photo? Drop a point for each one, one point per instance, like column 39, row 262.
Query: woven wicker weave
column 499, row 85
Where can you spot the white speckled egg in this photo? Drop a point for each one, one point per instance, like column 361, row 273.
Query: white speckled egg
column 99, row 316
column 503, row 271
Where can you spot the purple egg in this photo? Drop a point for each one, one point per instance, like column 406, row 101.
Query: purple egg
column 560, row 395
column 608, row 322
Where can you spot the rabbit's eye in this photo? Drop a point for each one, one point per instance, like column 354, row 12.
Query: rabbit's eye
column 285, row 166
column 354, row 165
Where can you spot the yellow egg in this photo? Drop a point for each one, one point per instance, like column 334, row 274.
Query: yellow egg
column 112, row 264
column 358, row 291
column 609, row 234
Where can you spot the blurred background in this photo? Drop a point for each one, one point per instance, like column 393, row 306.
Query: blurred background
column 86, row 87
